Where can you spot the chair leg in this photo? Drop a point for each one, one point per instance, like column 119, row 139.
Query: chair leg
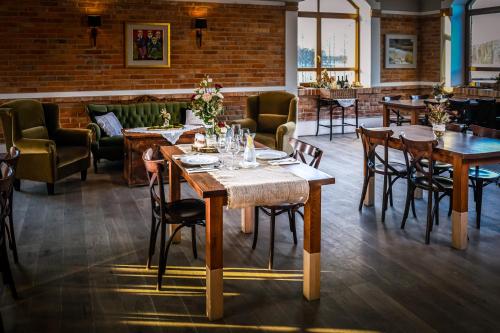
column 291, row 219
column 95, row 165
column 162, row 267
column 390, row 191
column 152, row 242
column 436, row 207
column 479, row 202
column 429, row 218
column 83, row 175
column 413, row 210
column 255, row 227
column 12, row 236
column 17, row 184
column 363, row 192
column 384, row 198
column 409, row 198
column 6, row 271
column 271, row 239
column 450, row 208
column 193, row 241
column 50, row 188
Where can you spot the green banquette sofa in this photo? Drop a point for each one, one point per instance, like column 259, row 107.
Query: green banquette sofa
column 137, row 114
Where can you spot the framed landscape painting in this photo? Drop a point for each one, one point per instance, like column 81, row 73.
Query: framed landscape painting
column 147, row 45
column 400, row 51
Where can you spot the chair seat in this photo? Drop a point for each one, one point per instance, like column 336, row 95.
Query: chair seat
column 399, row 167
column 70, row 154
column 483, row 174
column 111, row 141
column 445, row 182
column 186, row 210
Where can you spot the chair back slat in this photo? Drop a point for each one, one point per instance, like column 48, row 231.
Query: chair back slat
column 301, row 150
column 155, row 166
column 371, row 140
column 485, row 132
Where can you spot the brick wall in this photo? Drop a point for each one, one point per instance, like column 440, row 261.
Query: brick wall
column 47, row 48
column 428, row 32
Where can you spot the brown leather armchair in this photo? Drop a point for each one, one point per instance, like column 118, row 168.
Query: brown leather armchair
column 272, row 116
column 48, row 152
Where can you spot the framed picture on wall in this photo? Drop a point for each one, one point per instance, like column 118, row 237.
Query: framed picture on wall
column 147, row 45
column 400, row 51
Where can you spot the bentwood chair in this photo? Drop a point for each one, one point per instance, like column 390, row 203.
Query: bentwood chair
column 399, row 120
column 11, row 160
column 436, row 186
column 377, row 164
column 183, row 213
column 458, row 109
column 6, row 185
column 480, row 177
column 302, row 151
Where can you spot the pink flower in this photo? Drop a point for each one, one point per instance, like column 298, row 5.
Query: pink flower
column 193, row 97
column 207, row 97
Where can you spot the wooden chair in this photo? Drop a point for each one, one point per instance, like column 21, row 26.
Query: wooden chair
column 183, row 213
column 11, row 160
column 480, row 177
column 414, row 153
column 376, row 164
column 399, row 120
column 6, row 185
column 458, row 109
column 302, row 151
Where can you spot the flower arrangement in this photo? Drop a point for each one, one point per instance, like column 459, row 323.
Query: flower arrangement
column 438, row 114
column 325, row 81
column 438, row 89
column 207, row 101
column 166, row 117
column 221, row 128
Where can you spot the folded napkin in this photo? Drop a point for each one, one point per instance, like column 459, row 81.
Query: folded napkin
column 285, row 161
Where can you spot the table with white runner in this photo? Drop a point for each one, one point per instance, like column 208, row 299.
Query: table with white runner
column 171, row 135
column 346, row 102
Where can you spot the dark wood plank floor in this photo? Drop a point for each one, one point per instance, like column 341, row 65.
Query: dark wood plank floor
column 82, row 255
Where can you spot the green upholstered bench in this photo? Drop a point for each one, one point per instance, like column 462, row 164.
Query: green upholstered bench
column 140, row 114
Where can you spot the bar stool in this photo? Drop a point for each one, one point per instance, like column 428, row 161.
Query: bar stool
column 183, row 213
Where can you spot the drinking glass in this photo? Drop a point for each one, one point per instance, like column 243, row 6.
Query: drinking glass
column 233, row 147
column 222, row 148
column 236, row 129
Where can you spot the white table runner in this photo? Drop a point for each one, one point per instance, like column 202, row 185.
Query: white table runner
column 171, row 135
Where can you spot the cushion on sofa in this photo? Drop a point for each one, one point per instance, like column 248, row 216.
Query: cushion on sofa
column 109, row 124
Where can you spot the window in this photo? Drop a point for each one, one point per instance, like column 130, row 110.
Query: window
column 328, row 38
column 483, row 50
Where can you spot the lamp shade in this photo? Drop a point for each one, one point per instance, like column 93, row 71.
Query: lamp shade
column 200, row 23
column 94, row 20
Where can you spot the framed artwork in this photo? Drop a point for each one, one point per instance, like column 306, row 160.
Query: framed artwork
column 147, row 45
column 400, row 51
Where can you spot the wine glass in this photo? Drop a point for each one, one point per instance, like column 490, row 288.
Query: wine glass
column 236, row 129
column 233, row 147
column 222, row 148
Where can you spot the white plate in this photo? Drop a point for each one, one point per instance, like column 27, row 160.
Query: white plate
column 269, row 155
column 199, row 159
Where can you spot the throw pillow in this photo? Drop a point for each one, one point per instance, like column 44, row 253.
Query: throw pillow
column 192, row 119
column 110, row 124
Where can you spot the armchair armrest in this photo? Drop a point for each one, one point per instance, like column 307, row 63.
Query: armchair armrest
column 96, row 130
column 73, row 136
column 247, row 123
column 35, row 146
column 283, row 133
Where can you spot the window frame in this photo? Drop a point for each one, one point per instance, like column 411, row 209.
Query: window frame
column 469, row 13
column 318, row 15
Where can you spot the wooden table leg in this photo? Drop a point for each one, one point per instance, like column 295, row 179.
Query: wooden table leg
column 312, row 244
column 459, row 214
column 174, row 194
column 385, row 116
column 414, row 117
column 247, row 217
column 214, row 267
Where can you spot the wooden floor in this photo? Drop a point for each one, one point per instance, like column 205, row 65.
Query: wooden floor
column 83, row 253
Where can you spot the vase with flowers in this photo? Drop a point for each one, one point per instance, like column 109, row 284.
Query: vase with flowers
column 438, row 117
column 207, row 103
column 166, row 117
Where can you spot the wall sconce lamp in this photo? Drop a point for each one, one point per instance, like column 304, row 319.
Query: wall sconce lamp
column 199, row 25
column 94, row 21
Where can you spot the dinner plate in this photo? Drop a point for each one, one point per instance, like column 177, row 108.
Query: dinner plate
column 269, row 155
column 199, row 159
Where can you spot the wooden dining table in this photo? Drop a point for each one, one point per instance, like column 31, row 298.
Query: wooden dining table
column 462, row 151
column 215, row 196
column 414, row 107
